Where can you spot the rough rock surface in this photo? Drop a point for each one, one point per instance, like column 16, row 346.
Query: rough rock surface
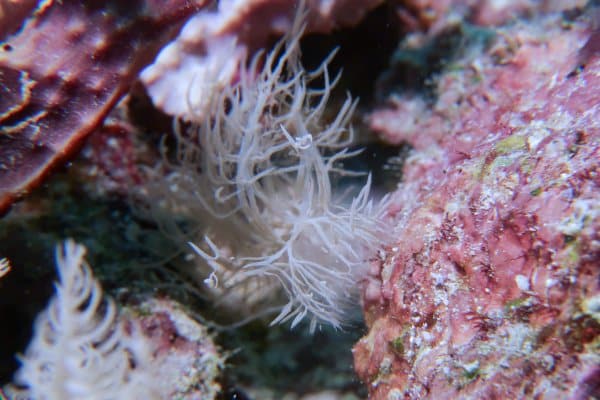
column 492, row 287
column 62, row 73
column 186, row 363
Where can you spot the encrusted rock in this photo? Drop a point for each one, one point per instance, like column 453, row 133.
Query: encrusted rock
column 63, row 72
column 185, row 363
column 491, row 288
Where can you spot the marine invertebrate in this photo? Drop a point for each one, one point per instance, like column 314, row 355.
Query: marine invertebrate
column 80, row 349
column 258, row 168
column 84, row 346
column 221, row 38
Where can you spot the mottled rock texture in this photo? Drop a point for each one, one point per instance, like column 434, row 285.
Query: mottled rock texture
column 63, row 72
column 492, row 287
column 185, row 361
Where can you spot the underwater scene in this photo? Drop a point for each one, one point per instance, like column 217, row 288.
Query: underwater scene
column 299, row 199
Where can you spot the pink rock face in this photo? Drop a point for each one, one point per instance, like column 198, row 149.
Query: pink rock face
column 63, row 72
column 439, row 14
column 492, row 287
column 185, row 361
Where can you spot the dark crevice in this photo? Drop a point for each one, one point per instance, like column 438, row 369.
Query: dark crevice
column 362, row 51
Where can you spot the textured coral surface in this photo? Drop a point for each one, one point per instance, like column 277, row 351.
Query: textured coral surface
column 185, row 362
column 492, row 288
column 62, row 73
column 437, row 14
column 489, row 288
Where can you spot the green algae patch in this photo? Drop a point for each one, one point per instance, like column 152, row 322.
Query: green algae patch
column 511, row 144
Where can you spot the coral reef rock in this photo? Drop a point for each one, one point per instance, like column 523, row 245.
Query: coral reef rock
column 436, row 15
column 492, row 288
column 186, row 362
column 63, row 72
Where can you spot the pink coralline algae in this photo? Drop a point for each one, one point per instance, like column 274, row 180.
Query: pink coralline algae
column 436, row 15
column 492, row 287
column 63, row 72
column 185, row 360
column 111, row 157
